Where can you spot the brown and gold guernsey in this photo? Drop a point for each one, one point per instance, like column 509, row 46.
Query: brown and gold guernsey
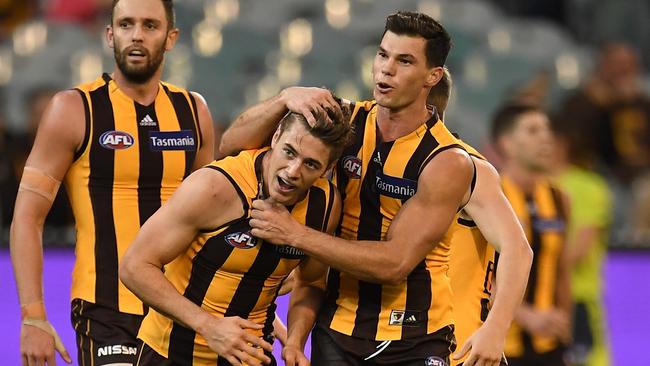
column 375, row 178
column 472, row 264
column 228, row 272
column 132, row 159
column 542, row 215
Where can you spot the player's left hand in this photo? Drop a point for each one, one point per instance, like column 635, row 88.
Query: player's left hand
column 485, row 347
column 272, row 222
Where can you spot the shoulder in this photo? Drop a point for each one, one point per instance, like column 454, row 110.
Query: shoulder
column 65, row 115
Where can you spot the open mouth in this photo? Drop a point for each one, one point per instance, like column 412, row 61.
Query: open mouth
column 284, row 185
column 383, row 87
column 137, row 53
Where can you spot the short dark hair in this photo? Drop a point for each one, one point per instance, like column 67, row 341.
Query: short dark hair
column 337, row 133
column 438, row 42
column 440, row 93
column 169, row 12
column 506, row 117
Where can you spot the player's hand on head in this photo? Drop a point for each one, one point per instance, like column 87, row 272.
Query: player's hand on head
column 272, row 222
column 230, row 339
column 293, row 356
column 312, row 103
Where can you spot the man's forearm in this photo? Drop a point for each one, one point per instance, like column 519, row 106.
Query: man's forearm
column 27, row 258
column 254, row 126
column 370, row 261
column 150, row 284
column 305, row 303
column 511, row 281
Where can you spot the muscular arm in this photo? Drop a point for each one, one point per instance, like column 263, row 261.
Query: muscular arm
column 491, row 211
column 190, row 209
column 255, row 126
column 418, row 227
column 60, row 133
column 206, row 153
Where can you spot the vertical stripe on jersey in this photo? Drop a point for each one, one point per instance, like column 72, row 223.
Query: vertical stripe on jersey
column 151, row 165
column 316, row 209
column 207, row 262
column 186, row 117
column 101, row 195
column 535, row 245
column 418, row 282
column 359, row 125
column 87, row 124
column 370, row 228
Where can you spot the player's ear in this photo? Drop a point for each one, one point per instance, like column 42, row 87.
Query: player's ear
column 109, row 36
column 434, row 75
column 276, row 137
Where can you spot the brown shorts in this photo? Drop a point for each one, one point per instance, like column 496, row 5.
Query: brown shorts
column 331, row 348
column 104, row 336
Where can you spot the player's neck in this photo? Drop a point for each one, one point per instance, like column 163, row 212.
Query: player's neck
column 143, row 93
column 524, row 178
column 395, row 123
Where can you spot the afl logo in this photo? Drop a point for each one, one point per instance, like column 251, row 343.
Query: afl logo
column 352, row 166
column 116, row 140
column 241, row 240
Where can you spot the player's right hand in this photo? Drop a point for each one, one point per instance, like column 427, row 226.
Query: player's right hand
column 311, row 103
column 230, row 339
column 37, row 347
column 293, row 356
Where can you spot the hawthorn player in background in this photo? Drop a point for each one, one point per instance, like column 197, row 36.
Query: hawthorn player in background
column 122, row 144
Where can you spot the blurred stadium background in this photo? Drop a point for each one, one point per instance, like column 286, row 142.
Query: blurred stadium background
column 237, row 52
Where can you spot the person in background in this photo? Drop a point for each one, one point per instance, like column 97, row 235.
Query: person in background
column 122, row 143
column 589, row 220
column 542, row 326
column 472, row 260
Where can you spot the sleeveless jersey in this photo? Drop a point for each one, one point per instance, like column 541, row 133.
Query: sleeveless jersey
column 472, row 264
column 227, row 271
column 375, row 178
column 542, row 215
column 132, row 159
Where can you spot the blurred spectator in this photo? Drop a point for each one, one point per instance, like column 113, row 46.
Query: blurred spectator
column 13, row 13
column 609, row 119
column 610, row 114
column 589, row 219
column 84, row 12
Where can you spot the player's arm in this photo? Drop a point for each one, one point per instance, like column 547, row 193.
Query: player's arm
column 418, row 227
column 491, row 211
column 255, row 126
column 60, row 133
column 306, row 298
column 205, row 155
column 167, row 234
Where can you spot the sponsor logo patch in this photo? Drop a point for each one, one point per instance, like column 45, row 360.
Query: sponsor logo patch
column 172, row 140
column 116, row 140
column 147, row 121
column 400, row 188
column 405, row 318
column 287, row 251
column 434, row 361
column 117, row 349
column 352, row 166
column 241, row 240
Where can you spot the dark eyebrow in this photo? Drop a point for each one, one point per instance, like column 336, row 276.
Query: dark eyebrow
column 317, row 163
column 408, row 56
column 145, row 20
